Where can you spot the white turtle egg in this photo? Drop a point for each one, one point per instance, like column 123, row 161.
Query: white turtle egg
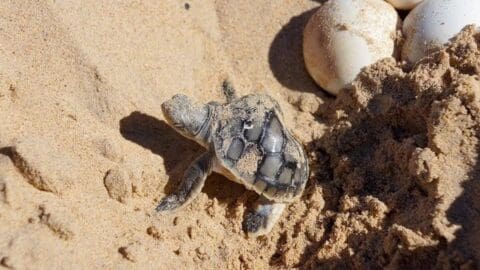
column 433, row 22
column 404, row 4
column 344, row 36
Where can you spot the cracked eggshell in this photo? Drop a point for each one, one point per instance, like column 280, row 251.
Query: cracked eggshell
column 344, row 36
column 404, row 4
column 433, row 22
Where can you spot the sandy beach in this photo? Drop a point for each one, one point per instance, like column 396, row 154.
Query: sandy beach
column 86, row 154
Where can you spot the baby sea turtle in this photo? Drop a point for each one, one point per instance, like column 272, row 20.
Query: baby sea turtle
column 246, row 141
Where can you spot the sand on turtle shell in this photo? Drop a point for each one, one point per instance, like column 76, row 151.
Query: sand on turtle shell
column 85, row 153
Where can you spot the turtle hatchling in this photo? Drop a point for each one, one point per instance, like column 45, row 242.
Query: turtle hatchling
column 246, row 141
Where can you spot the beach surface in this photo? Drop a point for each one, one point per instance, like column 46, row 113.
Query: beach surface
column 86, row 154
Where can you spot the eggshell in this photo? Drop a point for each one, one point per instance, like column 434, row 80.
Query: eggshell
column 344, row 36
column 404, row 4
column 433, row 22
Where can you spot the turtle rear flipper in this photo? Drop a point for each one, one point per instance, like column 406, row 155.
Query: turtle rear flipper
column 261, row 221
column 192, row 182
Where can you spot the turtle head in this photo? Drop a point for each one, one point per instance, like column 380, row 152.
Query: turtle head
column 186, row 117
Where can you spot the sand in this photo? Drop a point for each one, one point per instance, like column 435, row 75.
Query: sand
column 85, row 153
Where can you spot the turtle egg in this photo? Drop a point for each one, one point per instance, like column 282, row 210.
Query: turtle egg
column 404, row 4
column 344, row 36
column 433, row 22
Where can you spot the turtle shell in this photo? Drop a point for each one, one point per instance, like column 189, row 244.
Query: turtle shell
column 253, row 145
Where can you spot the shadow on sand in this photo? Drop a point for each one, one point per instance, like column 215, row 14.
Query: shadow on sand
column 176, row 151
column 286, row 56
column 157, row 136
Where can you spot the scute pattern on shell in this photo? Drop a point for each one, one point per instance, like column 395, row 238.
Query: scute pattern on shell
column 253, row 144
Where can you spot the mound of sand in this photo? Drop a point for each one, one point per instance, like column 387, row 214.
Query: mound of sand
column 85, row 154
column 402, row 160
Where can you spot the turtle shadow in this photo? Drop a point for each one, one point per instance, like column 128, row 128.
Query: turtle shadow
column 177, row 153
column 285, row 56
column 225, row 191
column 157, row 136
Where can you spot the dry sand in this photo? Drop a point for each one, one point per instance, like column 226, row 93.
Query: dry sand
column 86, row 154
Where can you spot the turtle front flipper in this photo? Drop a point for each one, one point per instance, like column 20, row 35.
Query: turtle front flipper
column 192, row 182
column 229, row 91
column 262, row 219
